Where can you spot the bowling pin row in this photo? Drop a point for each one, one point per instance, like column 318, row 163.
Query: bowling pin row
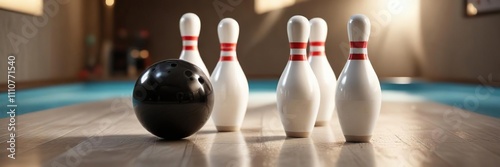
column 307, row 92
column 228, row 79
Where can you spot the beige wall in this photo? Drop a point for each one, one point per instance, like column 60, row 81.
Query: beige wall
column 412, row 38
column 52, row 46
column 456, row 47
column 431, row 39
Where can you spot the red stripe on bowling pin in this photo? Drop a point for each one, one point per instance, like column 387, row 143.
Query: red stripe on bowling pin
column 298, row 57
column 316, row 53
column 358, row 50
column 359, row 44
column 189, row 38
column 358, row 57
column 317, row 48
column 298, row 45
column 317, row 43
column 227, row 58
column 228, row 46
column 189, row 47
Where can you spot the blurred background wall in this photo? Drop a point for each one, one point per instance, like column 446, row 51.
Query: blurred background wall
column 456, row 47
column 47, row 47
column 410, row 38
column 263, row 44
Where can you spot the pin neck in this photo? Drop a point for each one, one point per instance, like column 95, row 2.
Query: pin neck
column 318, row 43
column 358, row 50
column 228, row 58
column 298, row 45
column 190, row 47
column 298, row 57
column 190, row 38
column 317, row 48
column 228, row 46
column 298, row 51
column 359, row 44
column 228, row 52
column 190, row 43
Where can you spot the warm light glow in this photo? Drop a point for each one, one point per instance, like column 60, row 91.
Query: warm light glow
column 110, row 2
column 397, row 10
column 263, row 6
column 471, row 9
column 400, row 80
column 134, row 53
column 34, row 7
column 144, row 54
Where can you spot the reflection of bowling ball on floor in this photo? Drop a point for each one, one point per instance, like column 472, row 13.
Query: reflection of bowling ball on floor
column 173, row 99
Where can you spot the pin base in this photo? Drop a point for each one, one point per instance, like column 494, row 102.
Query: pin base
column 357, row 139
column 297, row 134
column 321, row 123
column 227, row 128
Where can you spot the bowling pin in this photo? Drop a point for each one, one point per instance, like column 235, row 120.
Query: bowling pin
column 297, row 93
column 190, row 26
column 322, row 70
column 229, row 81
column 358, row 96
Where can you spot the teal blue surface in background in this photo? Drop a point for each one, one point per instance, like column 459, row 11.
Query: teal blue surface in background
column 476, row 98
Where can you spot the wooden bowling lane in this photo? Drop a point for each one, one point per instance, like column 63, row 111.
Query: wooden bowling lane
column 106, row 133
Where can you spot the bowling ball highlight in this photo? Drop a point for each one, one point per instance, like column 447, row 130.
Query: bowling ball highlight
column 173, row 99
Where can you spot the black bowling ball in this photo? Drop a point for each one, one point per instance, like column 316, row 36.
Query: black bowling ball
column 173, row 99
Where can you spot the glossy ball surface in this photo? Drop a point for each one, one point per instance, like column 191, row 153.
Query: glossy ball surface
column 173, row 99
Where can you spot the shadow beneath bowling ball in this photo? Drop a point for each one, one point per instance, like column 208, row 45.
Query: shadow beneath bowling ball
column 202, row 132
column 119, row 150
column 356, row 154
column 249, row 130
column 229, row 149
column 173, row 141
column 182, row 152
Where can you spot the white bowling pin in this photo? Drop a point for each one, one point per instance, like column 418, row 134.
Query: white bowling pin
column 229, row 81
column 322, row 70
column 190, row 26
column 358, row 96
column 298, row 93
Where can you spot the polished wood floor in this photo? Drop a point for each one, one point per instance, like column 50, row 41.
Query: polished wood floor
column 107, row 133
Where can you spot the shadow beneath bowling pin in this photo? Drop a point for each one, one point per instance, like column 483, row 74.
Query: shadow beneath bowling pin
column 323, row 134
column 270, row 122
column 357, row 154
column 229, row 149
column 298, row 152
column 327, row 146
column 264, row 139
